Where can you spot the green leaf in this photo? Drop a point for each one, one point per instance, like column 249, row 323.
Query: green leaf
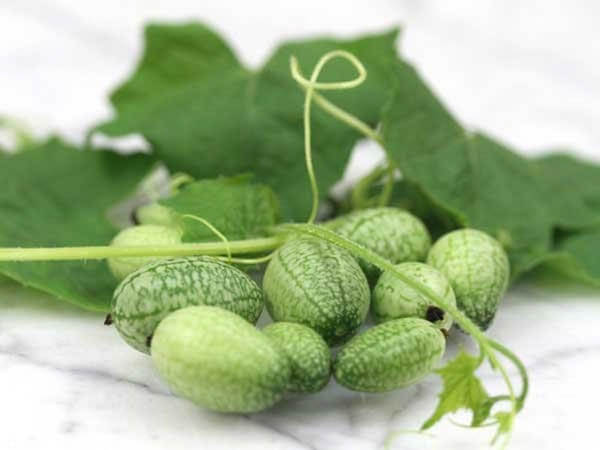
column 574, row 187
column 55, row 195
column 576, row 257
column 461, row 390
column 236, row 206
column 475, row 179
column 505, row 422
column 206, row 114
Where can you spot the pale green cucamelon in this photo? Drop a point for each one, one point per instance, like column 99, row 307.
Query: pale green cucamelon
column 318, row 284
column 146, row 296
column 218, row 360
column 394, row 299
column 477, row 267
column 392, row 233
column 140, row 235
column 391, row 355
column 306, row 351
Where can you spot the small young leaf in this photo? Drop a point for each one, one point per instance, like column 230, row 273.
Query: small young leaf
column 505, row 422
column 236, row 206
column 55, row 195
column 461, row 389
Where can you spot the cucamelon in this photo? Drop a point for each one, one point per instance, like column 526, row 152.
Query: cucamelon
column 477, row 267
column 218, row 360
column 392, row 233
column 318, row 284
column 140, row 235
column 146, row 296
column 389, row 356
column 394, row 299
column 306, row 351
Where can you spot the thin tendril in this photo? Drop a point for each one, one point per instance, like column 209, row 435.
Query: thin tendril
column 311, row 85
column 212, row 228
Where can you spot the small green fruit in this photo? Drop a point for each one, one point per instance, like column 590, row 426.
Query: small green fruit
column 478, row 270
column 389, row 356
column 146, row 296
column 318, row 284
column 140, row 235
column 307, row 353
column 392, row 233
column 394, row 299
column 218, row 360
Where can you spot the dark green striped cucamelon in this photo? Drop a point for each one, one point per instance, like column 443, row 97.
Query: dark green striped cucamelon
column 477, row 267
column 389, row 356
column 394, row 299
column 218, row 360
column 392, row 233
column 146, row 296
column 318, row 284
column 307, row 352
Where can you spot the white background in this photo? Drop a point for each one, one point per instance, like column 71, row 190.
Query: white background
column 527, row 72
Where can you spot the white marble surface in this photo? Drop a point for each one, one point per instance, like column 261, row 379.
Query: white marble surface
column 67, row 381
column 525, row 71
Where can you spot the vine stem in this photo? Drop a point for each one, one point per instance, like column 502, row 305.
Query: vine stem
column 102, row 252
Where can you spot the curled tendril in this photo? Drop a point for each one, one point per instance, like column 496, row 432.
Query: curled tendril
column 311, row 85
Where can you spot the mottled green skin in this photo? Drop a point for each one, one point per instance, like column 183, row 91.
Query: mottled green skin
column 392, row 233
column 389, row 356
column 307, row 353
column 145, row 297
column 318, row 284
column 141, row 235
column 477, row 267
column 218, row 360
column 394, row 299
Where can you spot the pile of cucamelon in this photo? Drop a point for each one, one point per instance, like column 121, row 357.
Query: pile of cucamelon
column 196, row 315
column 185, row 297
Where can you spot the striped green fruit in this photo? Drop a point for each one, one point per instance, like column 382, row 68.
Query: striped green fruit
column 146, row 296
column 318, row 284
column 392, row 233
column 394, row 299
column 307, row 353
column 218, row 360
column 477, row 267
column 390, row 356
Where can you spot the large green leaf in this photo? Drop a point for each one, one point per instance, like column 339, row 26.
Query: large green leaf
column 573, row 189
column 475, row 179
column 56, row 195
column 236, row 206
column 207, row 115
